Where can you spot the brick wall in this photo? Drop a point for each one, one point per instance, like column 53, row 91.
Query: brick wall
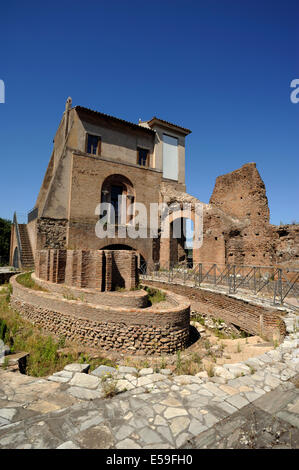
column 102, row 269
column 251, row 318
column 124, row 329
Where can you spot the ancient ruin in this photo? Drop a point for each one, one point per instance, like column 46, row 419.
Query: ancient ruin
column 99, row 158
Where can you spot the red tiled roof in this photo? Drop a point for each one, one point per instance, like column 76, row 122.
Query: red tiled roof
column 114, row 119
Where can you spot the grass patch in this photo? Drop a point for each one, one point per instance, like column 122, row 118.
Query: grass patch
column 44, row 358
column 26, row 280
column 155, row 295
column 199, row 319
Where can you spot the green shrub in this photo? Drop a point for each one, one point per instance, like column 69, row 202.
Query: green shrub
column 155, row 295
column 26, row 280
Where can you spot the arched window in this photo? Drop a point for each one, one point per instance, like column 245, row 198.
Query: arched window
column 119, row 192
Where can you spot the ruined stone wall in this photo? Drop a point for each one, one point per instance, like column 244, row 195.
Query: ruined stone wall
column 286, row 243
column 242, row 194
column 237, row 228
column 135, row 299
column 51, row 233
column 101, row 269
column 251, row 318
column 108, row 328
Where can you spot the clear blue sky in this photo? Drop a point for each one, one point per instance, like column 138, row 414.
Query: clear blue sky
column 219, row 67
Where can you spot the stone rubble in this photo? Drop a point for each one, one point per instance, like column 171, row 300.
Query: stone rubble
column 150, row 409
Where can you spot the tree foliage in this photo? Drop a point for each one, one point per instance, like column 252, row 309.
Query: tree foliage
column 5, row 227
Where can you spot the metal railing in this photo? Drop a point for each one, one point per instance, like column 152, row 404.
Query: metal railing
column 279, row 285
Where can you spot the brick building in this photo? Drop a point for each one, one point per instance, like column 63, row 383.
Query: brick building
column 99, row 158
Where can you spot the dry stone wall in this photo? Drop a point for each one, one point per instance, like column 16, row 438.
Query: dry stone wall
column 109, row 328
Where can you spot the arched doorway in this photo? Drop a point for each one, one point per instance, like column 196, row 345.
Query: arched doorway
column 181, row 242
column 15, row 261
column 141, row 263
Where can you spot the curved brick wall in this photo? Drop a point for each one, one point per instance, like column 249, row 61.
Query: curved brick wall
column 106, row 327
column 136, row 299
column 253, row 319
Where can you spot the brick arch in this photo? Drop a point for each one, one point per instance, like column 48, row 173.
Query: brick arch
column 170, row 248
column 125, row 246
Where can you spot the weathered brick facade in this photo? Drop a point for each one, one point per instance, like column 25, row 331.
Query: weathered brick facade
column 105, row 270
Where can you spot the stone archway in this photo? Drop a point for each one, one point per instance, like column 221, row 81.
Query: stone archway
column 172, row 247
column 15, row 261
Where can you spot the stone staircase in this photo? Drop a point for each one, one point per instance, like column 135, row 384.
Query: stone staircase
column 27, row 259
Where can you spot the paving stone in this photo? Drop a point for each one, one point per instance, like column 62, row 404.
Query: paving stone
column 63, row 373
column 7, row 413
column 145, row 381
column 92, row 421
column 171, row 401
column 179, row 424
column 3, row 422
column 228, row 427
column 43, row 406
column 97, row 437
column 138, row 422
column 127, row 444
column 183, row 379
column 291, row 418
column 173, row 412
column 149, row 436
column 182, row 439
column 229, row 390
column 146, row 371
column 202, row 375
column 55, row 378
column 165, row 433
column 222, row 372
column 77, row 367
column 127, row 370
column 273, row 382
column 123, row 385
column 276, row 400
column 159, row 408
column 196, row 427
column 294, row 408
column 68, row 445
column 123, row 432
column 214, row 389
column 85, row 381
column 158, row 446
column 237, row 401
column 193, row 387
column 103, row 371
column 165, row 371
column 84, row 393
column 287, row 374
column 210, row 420
column 229, row 409
column 252, row 396
column 159, row 421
